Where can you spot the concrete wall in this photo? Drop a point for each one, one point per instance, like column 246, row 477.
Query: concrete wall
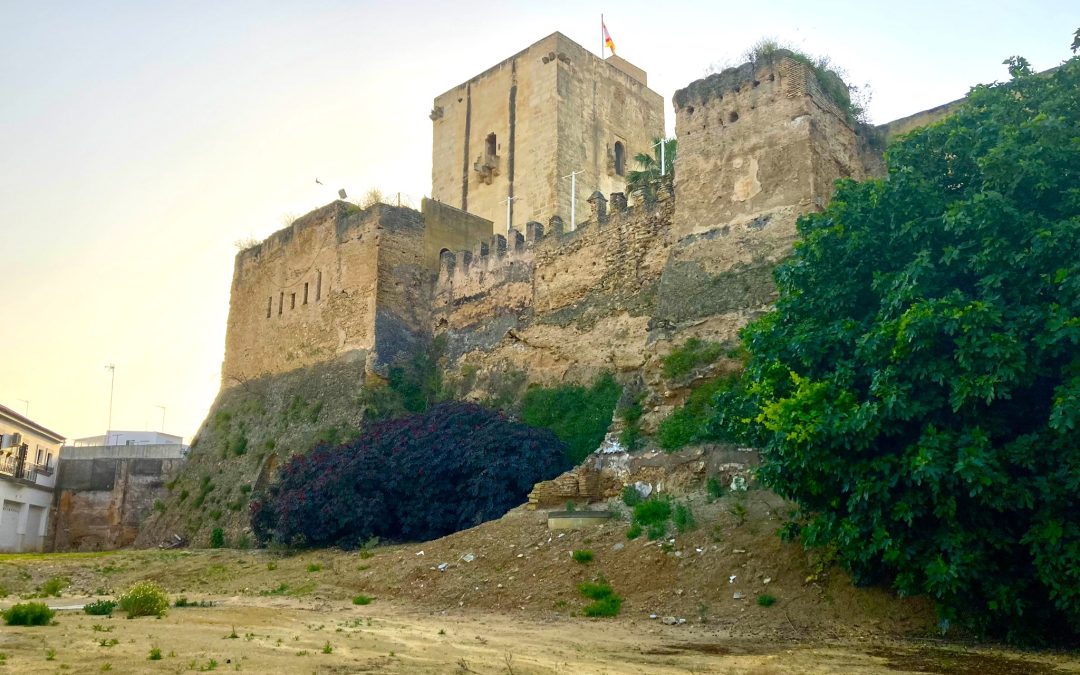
column 24, row 515
column 104, row 493
column 554, row 108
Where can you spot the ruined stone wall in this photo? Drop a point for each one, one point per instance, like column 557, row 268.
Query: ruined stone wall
column 759, row 145
column 304, row 295
column 310, row 292
column 103, row 494
column 557, row 305
column 553, row 108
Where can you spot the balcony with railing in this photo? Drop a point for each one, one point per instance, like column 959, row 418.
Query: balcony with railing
column 35, row 473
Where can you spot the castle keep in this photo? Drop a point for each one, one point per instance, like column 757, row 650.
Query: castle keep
column 518, row 128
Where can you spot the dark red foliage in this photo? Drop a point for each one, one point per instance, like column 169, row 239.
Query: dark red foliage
column 413, row 478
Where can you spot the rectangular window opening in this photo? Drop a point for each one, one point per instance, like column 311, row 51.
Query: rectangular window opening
column 305, row 292
column 292, row 303
column 318, row 286
column 269, row 306
column 281, row 303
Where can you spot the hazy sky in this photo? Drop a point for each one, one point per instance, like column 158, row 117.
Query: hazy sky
column 140, row 140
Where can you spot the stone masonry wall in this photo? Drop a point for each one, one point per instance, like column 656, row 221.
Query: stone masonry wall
column 551, row 109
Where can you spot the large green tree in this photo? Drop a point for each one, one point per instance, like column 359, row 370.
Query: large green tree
column 917, row 390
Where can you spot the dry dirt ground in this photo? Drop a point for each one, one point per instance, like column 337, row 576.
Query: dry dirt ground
column 506, row 601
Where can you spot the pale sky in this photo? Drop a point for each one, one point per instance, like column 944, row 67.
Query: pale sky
column 140, row 140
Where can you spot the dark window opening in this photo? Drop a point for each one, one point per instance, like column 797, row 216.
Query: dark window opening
column 305, row 292
column 269, row 306
column 318, row 286
column 281, row 303
column 491, row 146
column 620, row 159
column 733, row 117
column 292, row 304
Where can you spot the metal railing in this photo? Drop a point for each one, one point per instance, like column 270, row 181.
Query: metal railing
column 9, row 466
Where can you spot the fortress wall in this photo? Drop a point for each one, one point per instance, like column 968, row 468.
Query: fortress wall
column 402, row 301
column 759, row 145
column 331, row 255
column 557, row 305
column 600, row 104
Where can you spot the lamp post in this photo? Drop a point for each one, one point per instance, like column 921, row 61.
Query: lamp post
column 111, row 367
column 162, row 417
column 573, row 199
column 663, row 164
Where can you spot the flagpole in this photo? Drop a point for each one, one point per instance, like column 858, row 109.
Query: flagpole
column 603, row 42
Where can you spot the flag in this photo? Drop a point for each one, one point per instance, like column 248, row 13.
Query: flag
column 607, row 38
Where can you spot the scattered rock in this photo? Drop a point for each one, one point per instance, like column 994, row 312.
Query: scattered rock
column 731, row 579
column 670, row 621
column 618, row 547
column 737, row 596
column 468, row 557
column 766, row 580
column 444, row 566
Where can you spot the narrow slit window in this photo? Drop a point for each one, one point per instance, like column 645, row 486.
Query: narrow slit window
column 620, row 159
column 269, row 306
column 492, row 145
column 292, row 302
column 305, row 292
column 281, row 303
column 318, row 286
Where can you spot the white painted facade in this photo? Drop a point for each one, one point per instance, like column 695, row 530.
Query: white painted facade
column 29, row 454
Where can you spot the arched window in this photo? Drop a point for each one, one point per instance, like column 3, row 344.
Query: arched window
column 620, row 159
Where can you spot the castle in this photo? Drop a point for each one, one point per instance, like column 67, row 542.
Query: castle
column 496, row 271
column 494, row 260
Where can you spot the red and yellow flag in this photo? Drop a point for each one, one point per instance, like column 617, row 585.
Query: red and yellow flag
column 607, row 37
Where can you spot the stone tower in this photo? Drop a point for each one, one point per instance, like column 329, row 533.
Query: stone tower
column 518, row 128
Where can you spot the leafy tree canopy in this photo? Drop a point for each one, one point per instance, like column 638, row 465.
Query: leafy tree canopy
column 917, row 390
column 418, row 477
column 654, row 170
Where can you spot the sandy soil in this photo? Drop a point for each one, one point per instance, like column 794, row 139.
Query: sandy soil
column 505, row 601
column 279, row 635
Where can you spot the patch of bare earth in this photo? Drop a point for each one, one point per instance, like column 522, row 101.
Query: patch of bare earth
column 501, row 598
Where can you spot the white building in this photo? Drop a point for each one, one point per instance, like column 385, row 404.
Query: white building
column 29, row 453
column 128, row 438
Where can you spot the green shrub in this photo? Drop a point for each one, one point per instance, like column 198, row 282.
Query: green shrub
column 917, row 389
column 362, row 600
column 634, row 531
column 683, row 518
column 605, row 602
column 578, row 416
column 690, row 423
column 693, row 353
column 653, row 511
column 53, row 587
column 159, row 506
column 630, row 496
column 583, row 556
column 100, row 607
column 714, row 489
column 155, row 654
column 238, row 445
column 217, row 537
column 28, row 614
column 314, row 567
column 144, row 598
column 766, row 600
